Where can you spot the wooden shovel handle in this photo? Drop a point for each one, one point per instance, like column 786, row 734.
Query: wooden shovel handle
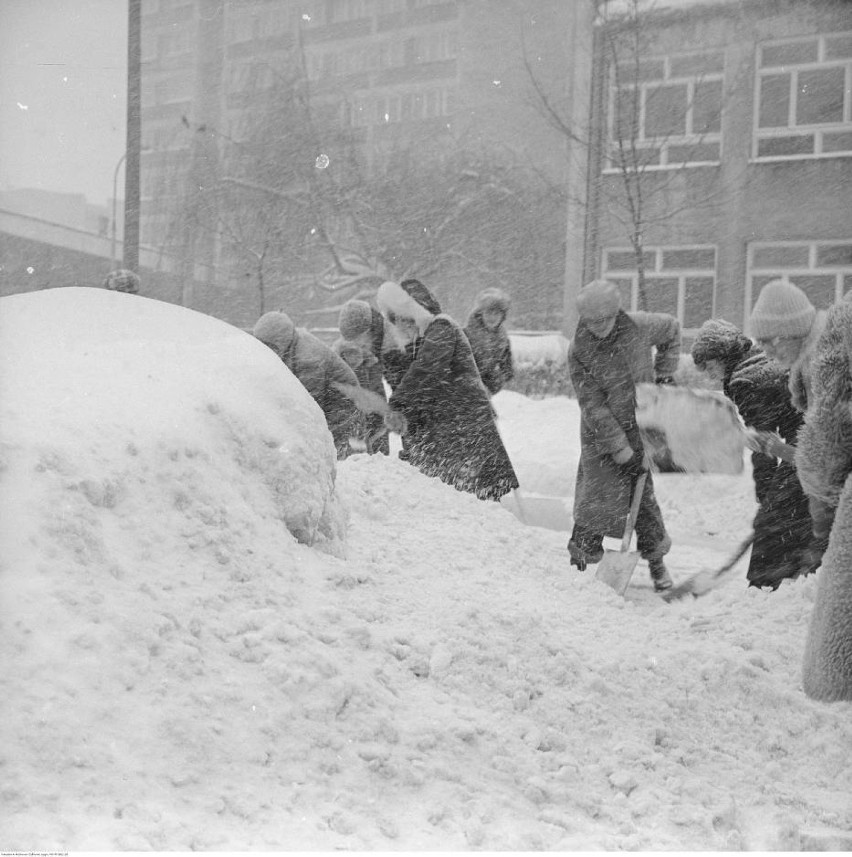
column 638, row 489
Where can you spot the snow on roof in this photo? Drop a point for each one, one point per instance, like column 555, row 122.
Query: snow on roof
column 610, row 9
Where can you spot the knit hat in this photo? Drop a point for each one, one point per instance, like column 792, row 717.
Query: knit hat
column 720, row 340
column 356, row 317
column 122, row 280
column 599, row 299
column 276, row 330
column 782, row 309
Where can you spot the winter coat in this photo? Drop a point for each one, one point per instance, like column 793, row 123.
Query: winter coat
column 451, row 429
column 370, row 375
column 317, row 367
column 782, row 526
column 827, row 668
column 605, row 373
column 824, row 453
column 492, row 349
column 759, row 387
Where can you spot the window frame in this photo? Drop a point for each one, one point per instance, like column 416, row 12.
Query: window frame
column 681, row 273
column 840, row 272
column 689, row 137
column 816, row 130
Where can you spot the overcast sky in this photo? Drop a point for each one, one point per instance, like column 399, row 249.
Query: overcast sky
column 63, row 77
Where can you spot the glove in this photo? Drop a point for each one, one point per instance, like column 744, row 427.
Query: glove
column 665, row 380
column 635, row 466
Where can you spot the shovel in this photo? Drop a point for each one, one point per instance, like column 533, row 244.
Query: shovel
column 616, row 568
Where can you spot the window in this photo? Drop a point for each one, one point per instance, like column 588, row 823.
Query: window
column 678, row 280
column 348, row 10
column 436, row 47
column 822, row 269
column 804, row 98
column 670, row 107
column 402, row 107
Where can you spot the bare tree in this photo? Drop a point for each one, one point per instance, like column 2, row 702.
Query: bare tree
column 641, row 122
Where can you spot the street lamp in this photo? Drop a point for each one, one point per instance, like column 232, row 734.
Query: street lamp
column 121, row 160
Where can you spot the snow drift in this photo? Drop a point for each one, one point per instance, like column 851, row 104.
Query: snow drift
column 181, row 673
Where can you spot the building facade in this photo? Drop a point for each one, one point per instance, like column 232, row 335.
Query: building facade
column 393, row 73
column 730, row 132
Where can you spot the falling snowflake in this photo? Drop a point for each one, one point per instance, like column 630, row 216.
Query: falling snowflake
column 322, row 161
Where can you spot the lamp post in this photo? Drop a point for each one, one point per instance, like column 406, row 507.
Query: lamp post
column 121, row 160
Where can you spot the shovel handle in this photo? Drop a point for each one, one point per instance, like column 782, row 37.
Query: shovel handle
column 638, row 490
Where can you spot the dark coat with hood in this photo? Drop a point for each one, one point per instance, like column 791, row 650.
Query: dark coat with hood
column 759, row 387
column 492, row 349
column 641, row 348
column 451, row 433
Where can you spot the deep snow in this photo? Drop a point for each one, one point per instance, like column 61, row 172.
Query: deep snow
column 180, row 672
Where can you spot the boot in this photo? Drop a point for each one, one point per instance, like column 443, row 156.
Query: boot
column 660, row 575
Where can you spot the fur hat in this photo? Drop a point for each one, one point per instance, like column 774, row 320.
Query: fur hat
column 492, row 299
column 410, row 299
column 356, row 317
column 276, row 330
column 782, row 309
column 122, row 280
column 720, row 340
column 599, row 299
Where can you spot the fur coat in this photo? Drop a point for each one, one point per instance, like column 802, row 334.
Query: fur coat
column 827, row 668
column 824, row 465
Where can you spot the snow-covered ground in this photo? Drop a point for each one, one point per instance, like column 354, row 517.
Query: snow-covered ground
column 181, row 673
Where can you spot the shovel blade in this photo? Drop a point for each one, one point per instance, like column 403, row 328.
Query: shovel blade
column 616, row 568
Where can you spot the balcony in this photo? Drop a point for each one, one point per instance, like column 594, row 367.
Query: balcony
column 418, row 17
column 418, row 73
column 356, row 29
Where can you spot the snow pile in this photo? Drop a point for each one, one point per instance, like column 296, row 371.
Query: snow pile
column 161, row 388
column 539, row 350
column 180, row 673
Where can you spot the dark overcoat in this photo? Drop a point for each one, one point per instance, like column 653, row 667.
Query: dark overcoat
column 452, row 433
column 492, row 352
column 318, row 368
column 782, row 526
column 641, row 348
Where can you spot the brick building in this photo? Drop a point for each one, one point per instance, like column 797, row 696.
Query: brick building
column 735, row 122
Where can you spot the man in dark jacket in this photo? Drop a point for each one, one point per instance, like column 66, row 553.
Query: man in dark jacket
column 318, row 368
column 613, row 351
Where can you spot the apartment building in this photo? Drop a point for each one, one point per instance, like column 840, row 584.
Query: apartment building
column 393, row 72
column 733, row 131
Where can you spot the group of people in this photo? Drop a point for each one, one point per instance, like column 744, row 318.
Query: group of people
column 792, row 383
column 441, row 377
